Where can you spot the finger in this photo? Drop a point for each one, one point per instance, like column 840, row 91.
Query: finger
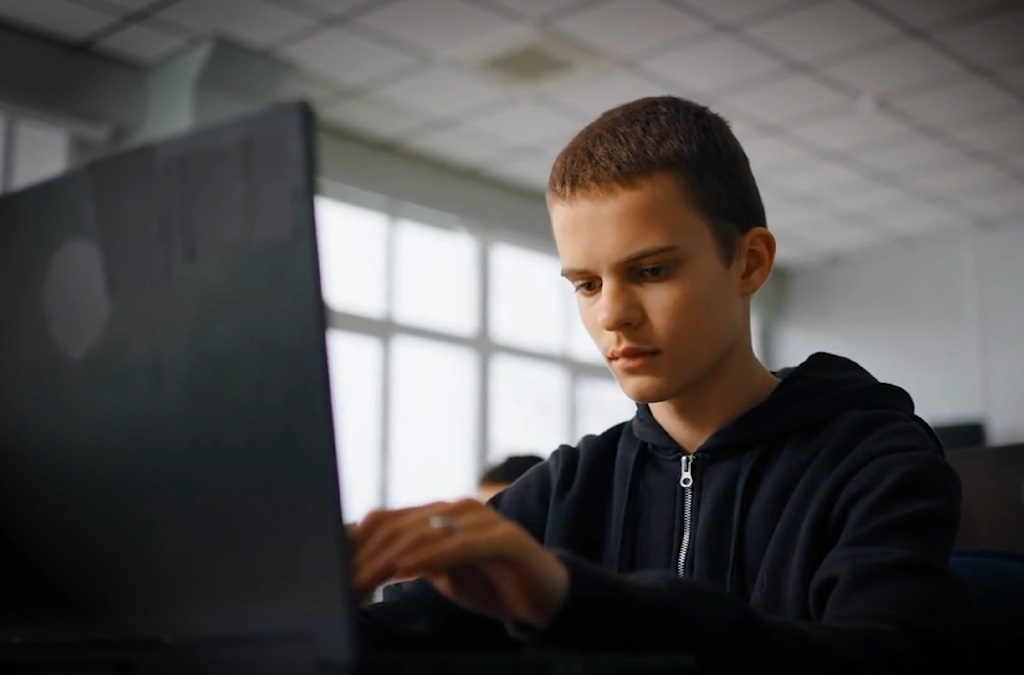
column 411, row 537
column 478, row 540
column 377, row 531
column 381, row 566
column 373, row 521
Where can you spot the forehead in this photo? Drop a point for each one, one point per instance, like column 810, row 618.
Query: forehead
column 615, row 222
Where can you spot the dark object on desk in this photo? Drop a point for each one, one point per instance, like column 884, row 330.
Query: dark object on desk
column 992, row 505
column 961, row 436
column 994, row 630
column 167, row 474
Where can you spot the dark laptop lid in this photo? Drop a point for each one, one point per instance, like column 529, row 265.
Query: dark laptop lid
column 167, row 465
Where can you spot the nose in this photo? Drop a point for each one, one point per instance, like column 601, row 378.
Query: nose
column 618, row 308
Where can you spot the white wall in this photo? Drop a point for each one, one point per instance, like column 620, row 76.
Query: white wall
column 944, row 320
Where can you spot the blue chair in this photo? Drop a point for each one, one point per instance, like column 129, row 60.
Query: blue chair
column 996, row 626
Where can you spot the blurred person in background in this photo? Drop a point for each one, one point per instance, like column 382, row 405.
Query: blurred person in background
column 499, row 476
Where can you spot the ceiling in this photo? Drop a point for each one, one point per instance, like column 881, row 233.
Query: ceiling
column 868, row 122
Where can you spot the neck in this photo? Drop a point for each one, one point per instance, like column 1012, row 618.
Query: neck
column 730, row 388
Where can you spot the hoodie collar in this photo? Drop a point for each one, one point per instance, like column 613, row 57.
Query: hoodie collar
column 820, row 389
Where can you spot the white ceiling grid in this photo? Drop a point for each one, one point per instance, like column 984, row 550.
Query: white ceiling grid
column 867, row 121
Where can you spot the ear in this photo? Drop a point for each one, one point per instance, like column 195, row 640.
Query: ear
column 756, row 251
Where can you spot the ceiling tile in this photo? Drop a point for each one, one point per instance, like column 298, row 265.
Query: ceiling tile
column 459, row 146
column 778, row 200
column 1000, row 207
column 252, row 22
column 346, row 57
column 892, row 68
column 441, row 91
column 628, row 27
column 60, row 18
column 822, row 29
column 738, row 11
column 967, row 178
column 993, row 135
column 962, row 100
column 371, row 118
column 526, row 124
column 119, row 7
column 991, row 42
column 817, row 176
column 1012, row 75
column 922, row 222
column 324, row 8
column 711, row 65
column 768, row 152
column 594, row 96
column 139, row 43
column 852, row 130
column 533, row 9
column 530, row 172
column 913, row 154
column 922, row 13
column 873, row 199
column 437, row 26
column 784, row 100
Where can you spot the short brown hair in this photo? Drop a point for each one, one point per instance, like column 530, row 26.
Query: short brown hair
column 673, row 135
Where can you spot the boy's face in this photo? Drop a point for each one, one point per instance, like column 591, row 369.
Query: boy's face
column 653, row 289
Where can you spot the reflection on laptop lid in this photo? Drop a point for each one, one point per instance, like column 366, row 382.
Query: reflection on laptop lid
column 167, row 473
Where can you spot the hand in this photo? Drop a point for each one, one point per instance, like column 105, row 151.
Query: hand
column 470, row 552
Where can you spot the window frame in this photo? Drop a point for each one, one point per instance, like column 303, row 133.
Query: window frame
column 386, row 329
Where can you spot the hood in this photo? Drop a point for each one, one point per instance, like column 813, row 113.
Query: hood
column 817, row 391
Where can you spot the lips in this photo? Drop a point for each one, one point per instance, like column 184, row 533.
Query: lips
column 631, row 353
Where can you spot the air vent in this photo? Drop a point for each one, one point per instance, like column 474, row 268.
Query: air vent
column 529, row 59
column 530, row 64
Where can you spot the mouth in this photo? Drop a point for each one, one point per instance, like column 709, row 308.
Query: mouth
column 632, row 357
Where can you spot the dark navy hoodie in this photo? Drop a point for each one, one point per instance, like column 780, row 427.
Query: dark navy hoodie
column 811, row 533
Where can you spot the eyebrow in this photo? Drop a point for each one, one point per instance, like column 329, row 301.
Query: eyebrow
column 631, row 258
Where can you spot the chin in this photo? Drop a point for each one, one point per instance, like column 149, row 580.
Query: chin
column 645, row 389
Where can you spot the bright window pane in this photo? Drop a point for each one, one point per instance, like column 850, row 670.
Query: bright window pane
column 757, row 337
column 353, row 245
column 432, row 421
column 437, row 282
column 39, row 151
column 529, row 301
column 529, row 406
column 356, row 367
column 600, row 404
column 581, row 345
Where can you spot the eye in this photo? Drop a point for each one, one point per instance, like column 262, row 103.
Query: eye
column 586, row 287
column 653, row 273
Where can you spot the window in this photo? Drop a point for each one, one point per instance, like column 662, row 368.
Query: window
column 529, row 412
column 38, row 151
column 528, row 300
column 357, row 368
column 433, row 425
column 353, row 247
column 410, row 362
column 436, row 278
column 600, row 404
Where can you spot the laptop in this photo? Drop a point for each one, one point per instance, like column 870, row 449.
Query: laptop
column 168, row 482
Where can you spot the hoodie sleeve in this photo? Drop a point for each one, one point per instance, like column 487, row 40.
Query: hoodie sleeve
column 883, row 595
column 414, row 616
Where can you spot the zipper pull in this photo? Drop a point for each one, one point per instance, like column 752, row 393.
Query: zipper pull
column 686, row 478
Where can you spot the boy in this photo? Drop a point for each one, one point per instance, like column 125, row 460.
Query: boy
column 802, row 522
column 499, row 476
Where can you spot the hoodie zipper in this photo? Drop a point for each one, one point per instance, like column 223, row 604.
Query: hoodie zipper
column 686, row 482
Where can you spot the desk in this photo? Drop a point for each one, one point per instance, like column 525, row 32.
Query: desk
column 262, row 662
